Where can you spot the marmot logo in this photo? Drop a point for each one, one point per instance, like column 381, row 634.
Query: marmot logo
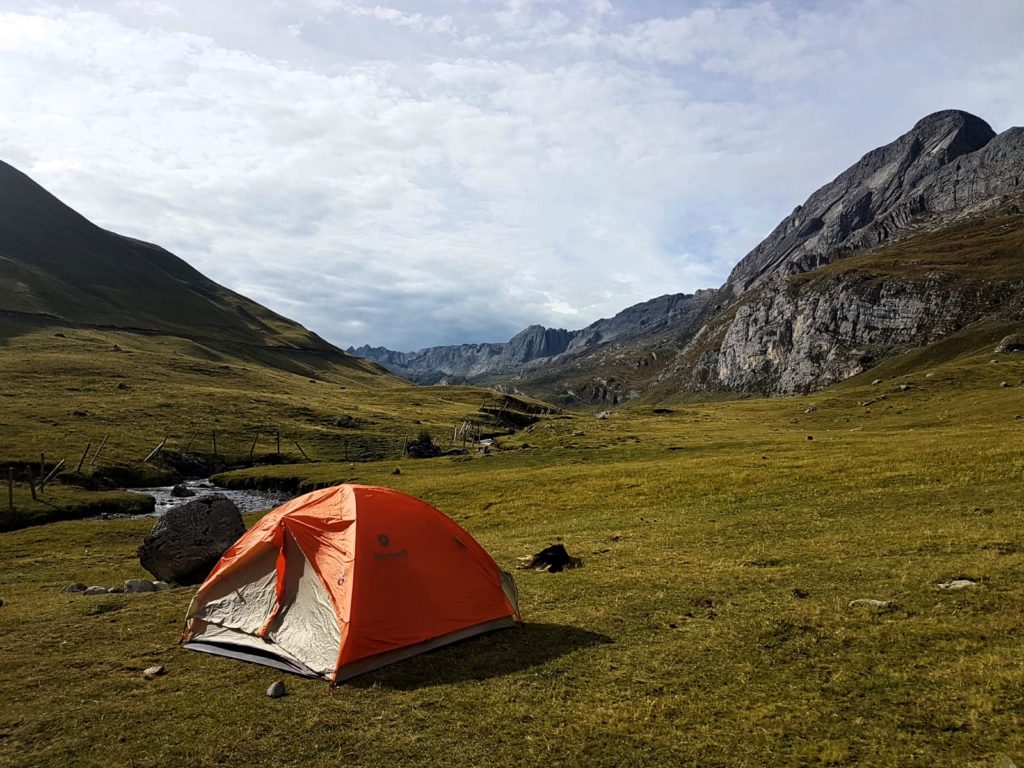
column 383, row 540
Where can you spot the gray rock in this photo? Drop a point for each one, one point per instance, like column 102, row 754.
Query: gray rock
column 876, row 381
column 1005, row 385
column 138, row 585
column 95, row 591
column 1012, row 343
column 276, row 690
column 115, row 591
column 75, row 587
column 150, row 672
column 602, row 415
column 160, row 586
column 182, row 492
column 188, row 540
column 879, row 196
column 954, row 585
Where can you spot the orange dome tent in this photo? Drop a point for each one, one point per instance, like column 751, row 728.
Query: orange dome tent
column 344, row 580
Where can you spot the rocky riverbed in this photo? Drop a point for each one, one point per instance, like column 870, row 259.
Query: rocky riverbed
column 245, row 500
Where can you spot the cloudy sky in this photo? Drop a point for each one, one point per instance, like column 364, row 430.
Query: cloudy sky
column 419, row 173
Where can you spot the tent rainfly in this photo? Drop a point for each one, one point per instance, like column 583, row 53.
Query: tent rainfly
column 347, row 579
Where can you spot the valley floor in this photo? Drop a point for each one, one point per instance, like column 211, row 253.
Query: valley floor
column 710, row 624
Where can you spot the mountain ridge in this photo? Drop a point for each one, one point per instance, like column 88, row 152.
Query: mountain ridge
column 948, row 167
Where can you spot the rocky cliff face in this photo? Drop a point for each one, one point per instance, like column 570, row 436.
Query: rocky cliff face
column 804, row 339
column 931, row 171
column 782, row 335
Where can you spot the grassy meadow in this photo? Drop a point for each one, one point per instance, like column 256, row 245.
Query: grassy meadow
column 710, row 623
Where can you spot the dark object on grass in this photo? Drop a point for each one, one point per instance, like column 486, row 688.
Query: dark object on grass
column 188, row 540
column 276, row 690
column 423, row 447
column 553, row 559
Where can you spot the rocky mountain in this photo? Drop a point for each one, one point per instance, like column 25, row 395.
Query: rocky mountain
column 912, row 244
column 536, row 347
column 463, row 361
column 802, row 312
column 59, row 269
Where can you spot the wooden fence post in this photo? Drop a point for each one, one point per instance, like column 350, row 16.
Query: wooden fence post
column 10, row 489
column 300, row 450
column 214, row 445
column 82, row 460
column 278, row 433
column 253, row 446
column 155, row 451
column 189, row 446
column 55, row 470
column 98, row 451
column 31, row 483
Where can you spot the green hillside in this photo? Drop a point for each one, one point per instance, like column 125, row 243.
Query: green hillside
column 711, row 623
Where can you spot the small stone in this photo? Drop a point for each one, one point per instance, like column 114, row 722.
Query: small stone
column 114, row 591
column 276, row 690
column 812, row 409
column 76, row 587
column 928, row 375
column 182, row 492
column 602, row 415
column 151, row 672
column 138, row 585
column 876, row 382
column 160, row 586
column 396, row 471
column 801, row 593
column 95, row 591
column 905, row 387
column 1005, row 385
column 578, row 433
column 956, row 584
column 810, row 437
column 1, row 602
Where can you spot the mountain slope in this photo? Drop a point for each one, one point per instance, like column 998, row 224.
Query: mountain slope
column 55, row 265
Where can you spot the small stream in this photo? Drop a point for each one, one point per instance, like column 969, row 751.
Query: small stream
column 245, row 500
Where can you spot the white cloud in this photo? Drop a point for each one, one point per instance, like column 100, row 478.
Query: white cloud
column 414, row 174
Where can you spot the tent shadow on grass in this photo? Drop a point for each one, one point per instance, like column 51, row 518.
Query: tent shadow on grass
column 492, row 655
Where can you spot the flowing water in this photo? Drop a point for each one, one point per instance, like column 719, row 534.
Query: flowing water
column 245, row 500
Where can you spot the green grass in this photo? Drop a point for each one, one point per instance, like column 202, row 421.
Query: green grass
column 65, row 502
column 141, row 388
column 709, row 624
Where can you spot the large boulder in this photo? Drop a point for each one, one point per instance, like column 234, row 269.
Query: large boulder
column 188, row 540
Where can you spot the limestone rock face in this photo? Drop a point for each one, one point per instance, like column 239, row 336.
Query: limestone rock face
column 785, row 342
column 777, row 335
column 189, row 539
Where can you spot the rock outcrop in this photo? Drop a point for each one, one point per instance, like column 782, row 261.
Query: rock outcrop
column 189, row 539
column 781, row 335
column 800, row 340
column 943, row 167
